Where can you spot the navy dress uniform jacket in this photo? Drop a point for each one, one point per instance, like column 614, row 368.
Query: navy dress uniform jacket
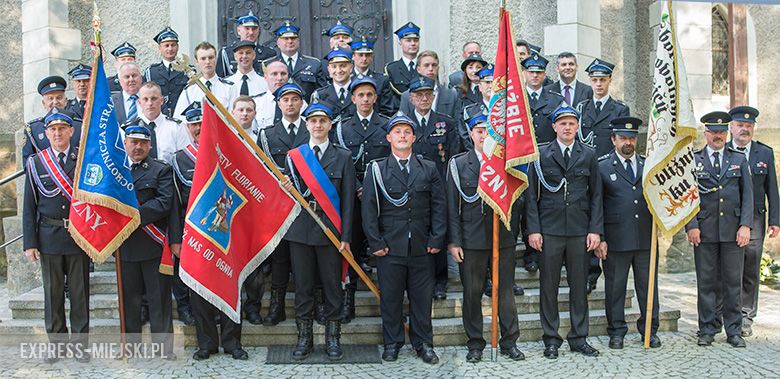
column 722, row 211
column 542, row 110
column 576, row 209
column 337, row 164
column 470, row 225
column 410, row 229
column 275, row 142
column 153, row 181
column 35, row 136
column 399, row 76
column 627, row 220
column 327, row 95
column 365, row 144
column 183, row 171
column 48, row 239
column 438, row 140
column 598, row 122
column 171, row 82
column 307, row 73
column 762, row 167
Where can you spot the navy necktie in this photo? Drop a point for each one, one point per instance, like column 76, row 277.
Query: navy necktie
column 245, row 85
column 630, row 170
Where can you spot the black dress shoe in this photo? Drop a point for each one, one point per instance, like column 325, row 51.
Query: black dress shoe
column 615, row 342
column 655, row 342
column 705, row 340
column 513, row 353
column 254, row 318
column 589, row 287
column 391, row 353
column 531, row 267
column 551, row 352
column 736, row 341
column 366, row 267
column 201, row 354
column 585, row 350
column 519, row 291
column 439, row 294
column 427, row 354
column 144, row 315
column 239, row 354
column 488, row 288
column 474, row 356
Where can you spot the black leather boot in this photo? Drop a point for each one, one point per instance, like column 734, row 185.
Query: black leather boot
column 332, row 340
column 276, row 313
column 319, row 306
column 348, row 306
column 305, row 343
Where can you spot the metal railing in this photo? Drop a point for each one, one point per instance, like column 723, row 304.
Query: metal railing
column 3, row 181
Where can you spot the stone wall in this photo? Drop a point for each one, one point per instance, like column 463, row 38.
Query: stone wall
column 134, row 21
column 470, row 24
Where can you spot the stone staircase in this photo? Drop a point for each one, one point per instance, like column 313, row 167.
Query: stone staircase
column 28, row 311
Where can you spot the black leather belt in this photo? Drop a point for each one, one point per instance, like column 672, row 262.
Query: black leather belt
column 61, row 222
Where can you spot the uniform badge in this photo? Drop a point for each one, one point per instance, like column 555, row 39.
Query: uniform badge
column 734, row 167
column 41, row 136
column 613, row 177
column 762, row 165
column 441, row 129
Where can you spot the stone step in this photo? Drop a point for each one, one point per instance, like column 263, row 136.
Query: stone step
column 31, row 305
column 363, row 330
column 104, row 281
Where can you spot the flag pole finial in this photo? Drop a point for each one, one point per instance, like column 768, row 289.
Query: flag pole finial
column 96, row 23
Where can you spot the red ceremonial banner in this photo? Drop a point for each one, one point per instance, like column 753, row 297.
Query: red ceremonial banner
column 511, row 144
column 237, row 214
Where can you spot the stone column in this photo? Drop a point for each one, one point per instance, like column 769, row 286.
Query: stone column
column 434, row 22
column 47, row 46
column 578, row 30
column 195, row 21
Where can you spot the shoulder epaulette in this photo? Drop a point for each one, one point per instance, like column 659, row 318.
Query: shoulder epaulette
column 734, row 150
column 39, row 119
column 460, row 154
column 176, row 120
column 763, row 144
column 621, row 102
column 161, row 161
column 341, row 147
column 605, row 156
column 228, row 82
column 310, row 57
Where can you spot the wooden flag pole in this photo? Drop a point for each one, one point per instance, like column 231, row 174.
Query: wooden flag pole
column 494, row 299
column 183, row 65
column 121, row 298
column 651, row 285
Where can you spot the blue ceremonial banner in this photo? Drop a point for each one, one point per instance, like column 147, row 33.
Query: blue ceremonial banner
column 104, row 211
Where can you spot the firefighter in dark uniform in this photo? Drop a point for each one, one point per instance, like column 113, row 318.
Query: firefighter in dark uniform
column 564, row 222
column 303, row 69
column 627, row 242
column 79, row 78
column 171, row 81
column 288, row 133
column 140, row 253
column 542, row 102
column 721, row 230
column 599, row 110
column 335, row 95
column 761, row 159
column 339, row 36
column 363, row 57
column 405, row 221
column 312, row 253
column 596, row 129
column 401, row 72
column 122, row 53
column 436, row 139
column 209, row 339
column 46, row 238
column 362, row 131
column 247, row 29
column 470, row 236
column 52, row 91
